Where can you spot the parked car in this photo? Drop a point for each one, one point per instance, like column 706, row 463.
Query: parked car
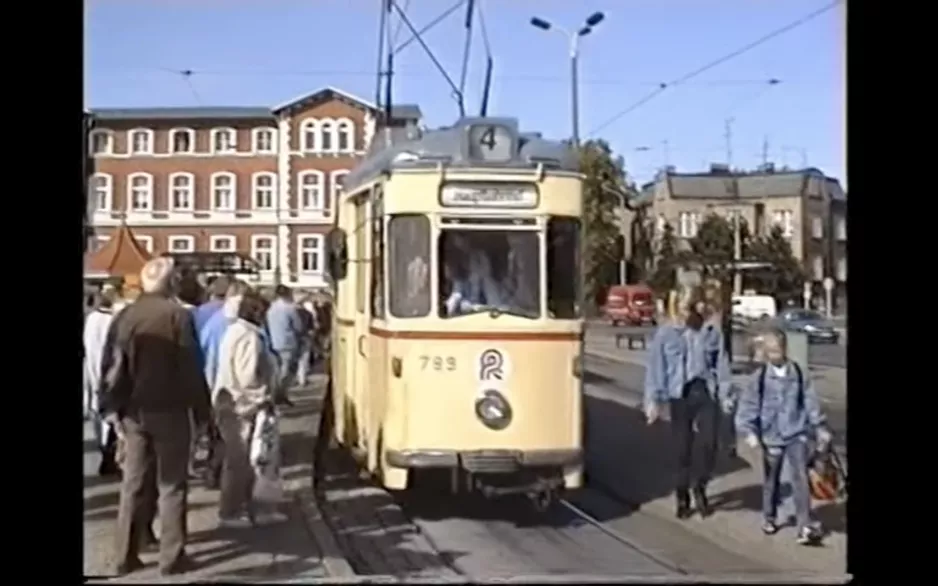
column 818, row 329
column 630, row 305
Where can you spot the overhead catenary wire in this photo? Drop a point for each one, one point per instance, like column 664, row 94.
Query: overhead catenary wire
column 712, row 64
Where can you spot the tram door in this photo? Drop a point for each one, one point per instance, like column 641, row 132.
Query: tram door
column 360, row 344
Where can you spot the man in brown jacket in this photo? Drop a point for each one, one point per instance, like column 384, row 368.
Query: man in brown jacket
column 152, row 387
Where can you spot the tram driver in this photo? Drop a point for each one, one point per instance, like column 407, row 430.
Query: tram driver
column 468, row 281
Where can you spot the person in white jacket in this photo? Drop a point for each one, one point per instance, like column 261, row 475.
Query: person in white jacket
column 243, row 385
column 96, row 327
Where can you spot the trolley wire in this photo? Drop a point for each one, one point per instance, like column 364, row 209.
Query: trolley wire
column 712, row 64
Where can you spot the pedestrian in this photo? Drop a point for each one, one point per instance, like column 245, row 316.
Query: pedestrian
column 713, row 339
column 679, row 373
column 286, row 330
column 779, row 412
column 152, row 386
column 322, row 310
column 244, row 386
column 97, row 324
column 305, row 309
column 217, row 292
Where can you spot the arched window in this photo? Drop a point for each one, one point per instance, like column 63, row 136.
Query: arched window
column 224, row 192
column 311, row 184
column 140, row 192
column 264, row 190
column 101, row 142
column 182, row 141
column 326, row 136
column 345, row 136
column 224, row 140
column 310, row 136
column 101, row 192
column 141, row 141
column 181, row 192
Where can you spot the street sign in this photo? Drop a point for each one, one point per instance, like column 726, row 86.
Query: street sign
column 828, row 284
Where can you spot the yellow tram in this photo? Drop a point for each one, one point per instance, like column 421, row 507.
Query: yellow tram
column 457, row 335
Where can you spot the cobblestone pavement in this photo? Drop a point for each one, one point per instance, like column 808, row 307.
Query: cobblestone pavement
column 291, row 550
column 619, row 443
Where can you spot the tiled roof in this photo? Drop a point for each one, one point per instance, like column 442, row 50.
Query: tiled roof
column 121, row 256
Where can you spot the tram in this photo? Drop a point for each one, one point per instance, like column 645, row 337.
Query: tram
column 458, row 328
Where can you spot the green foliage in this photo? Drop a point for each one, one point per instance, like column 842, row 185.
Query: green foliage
column 713, row 248
column 600, row 254
column 786, row 277
column 663, row 278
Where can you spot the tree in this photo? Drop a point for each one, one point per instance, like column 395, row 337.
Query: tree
column 663, row 279
column 600, row 254
column 786, row 276
column 643, row 255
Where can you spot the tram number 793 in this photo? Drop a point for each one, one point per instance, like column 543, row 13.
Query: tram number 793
column 439, row 363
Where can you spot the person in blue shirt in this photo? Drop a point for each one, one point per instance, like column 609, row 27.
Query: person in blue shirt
column 211, row 332
column 682, row 372
column 285, row 328
column 217, row 292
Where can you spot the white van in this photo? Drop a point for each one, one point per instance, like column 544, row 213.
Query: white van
column 754, row 306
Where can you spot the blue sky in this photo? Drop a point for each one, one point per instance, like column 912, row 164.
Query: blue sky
column 253, row 52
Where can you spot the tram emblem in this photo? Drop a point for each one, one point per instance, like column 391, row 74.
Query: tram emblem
column 491, row 365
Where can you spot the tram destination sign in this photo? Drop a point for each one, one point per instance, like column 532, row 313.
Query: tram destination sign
column 489, row 196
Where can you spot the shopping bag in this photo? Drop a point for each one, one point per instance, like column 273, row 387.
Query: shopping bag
column 267, row 486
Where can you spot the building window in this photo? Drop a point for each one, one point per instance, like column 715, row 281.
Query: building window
column 181, row 191
column 687, row 224
column 181, row 243
column 263, row 139
column 345, row 136
column 145, row 242
column 102, row 142
column 310, row 253
column 262, row 251
column 842, row 270
column 310, row 135
column 222, row 243
column 101, row 192
column 182, row 141
column 817, row 267
column 785, row 219
column 140, row 192
column 224, row 186
column 224, row 140
column 840, row 228
column 311, row 185
column 141, row 141
column 264, row 191
column 817, row 227
column 326, row 139
column 337, row 180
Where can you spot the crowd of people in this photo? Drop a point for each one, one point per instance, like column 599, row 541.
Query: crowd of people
column 777, row 411
column 174, row 361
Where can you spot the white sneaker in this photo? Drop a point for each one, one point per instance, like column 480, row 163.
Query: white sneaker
column 270, row 518
column 240, row 522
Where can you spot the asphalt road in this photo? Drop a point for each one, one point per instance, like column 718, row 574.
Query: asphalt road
column 818, row 354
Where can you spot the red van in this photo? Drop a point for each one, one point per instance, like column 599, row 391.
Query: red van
column 630, row 304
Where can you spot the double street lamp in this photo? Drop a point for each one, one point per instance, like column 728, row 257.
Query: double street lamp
column 574, row 37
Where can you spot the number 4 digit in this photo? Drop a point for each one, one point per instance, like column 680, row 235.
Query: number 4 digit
column 488, row 138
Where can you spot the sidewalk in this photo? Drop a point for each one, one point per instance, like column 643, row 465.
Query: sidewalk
column 615, row 419
column 299, row 549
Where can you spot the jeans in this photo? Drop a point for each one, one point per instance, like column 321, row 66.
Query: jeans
column 304, row 363
column 696, row 406
column 289, row 360
column 773, row 459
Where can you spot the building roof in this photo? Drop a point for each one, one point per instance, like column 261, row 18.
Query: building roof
column 401, row 112
column 121, row 256
column 746, row 185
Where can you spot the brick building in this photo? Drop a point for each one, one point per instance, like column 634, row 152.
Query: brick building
column 258, row 181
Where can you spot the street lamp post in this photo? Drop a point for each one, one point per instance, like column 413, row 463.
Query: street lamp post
column 574, row 37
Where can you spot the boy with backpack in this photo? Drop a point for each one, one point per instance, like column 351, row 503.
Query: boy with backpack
column 779, row 412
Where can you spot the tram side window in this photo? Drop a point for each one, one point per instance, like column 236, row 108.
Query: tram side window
column 377, row 264
column 409, row 265
column 563, row 272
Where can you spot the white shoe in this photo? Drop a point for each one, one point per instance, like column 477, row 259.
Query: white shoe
column 270, row 518
column 240, row 522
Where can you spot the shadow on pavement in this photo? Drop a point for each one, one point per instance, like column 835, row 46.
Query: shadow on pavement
column 370, row 527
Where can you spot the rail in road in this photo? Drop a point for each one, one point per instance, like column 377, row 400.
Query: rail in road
column 834, row 355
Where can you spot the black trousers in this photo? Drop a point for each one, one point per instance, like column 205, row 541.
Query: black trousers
column 696, row 406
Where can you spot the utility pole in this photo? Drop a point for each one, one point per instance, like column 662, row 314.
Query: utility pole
column 765, row 151
column 728, row 137
column 737, row 254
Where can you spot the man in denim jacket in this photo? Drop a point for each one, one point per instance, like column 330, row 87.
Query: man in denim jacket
column 683, row 372
column 779, row 411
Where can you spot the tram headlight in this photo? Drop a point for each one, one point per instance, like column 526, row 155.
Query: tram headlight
column 493, row 410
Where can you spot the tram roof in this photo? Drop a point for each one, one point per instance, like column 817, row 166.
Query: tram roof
column 411, row 148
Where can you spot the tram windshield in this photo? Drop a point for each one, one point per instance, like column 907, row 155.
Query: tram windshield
column 489, row 270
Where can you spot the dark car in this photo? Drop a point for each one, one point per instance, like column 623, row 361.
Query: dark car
column 812, row 323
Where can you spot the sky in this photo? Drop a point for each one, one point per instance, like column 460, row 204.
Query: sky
column 266, row 52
